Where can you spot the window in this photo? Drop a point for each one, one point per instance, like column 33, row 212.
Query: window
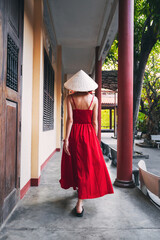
column 48, row 95
column 12, row 64
column 107, row 118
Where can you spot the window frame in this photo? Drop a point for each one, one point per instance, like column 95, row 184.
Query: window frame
column 48, row 94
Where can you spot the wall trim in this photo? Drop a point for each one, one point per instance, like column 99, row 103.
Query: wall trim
column 25, row 189
column 45, row 162
column 33, row 182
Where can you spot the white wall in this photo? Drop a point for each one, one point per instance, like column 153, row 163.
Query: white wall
column 27, row 94
column 47, row 139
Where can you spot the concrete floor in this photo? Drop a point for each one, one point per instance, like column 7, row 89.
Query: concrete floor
column 152, row 164
column 45, row 213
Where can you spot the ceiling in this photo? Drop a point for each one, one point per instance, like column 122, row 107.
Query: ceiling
column 79, row 26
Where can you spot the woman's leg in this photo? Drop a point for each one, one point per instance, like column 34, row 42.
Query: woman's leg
column 79, row 205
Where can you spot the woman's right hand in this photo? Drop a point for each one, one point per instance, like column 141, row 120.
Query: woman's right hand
column 66, row 147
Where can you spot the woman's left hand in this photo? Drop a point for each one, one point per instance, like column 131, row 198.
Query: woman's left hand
column 66, row 147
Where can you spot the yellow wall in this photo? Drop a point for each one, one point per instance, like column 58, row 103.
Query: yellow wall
column 27, row 93
column 59, row 95
column 36, row 144
column 64, row 107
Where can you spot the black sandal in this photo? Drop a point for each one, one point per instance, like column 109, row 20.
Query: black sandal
column 79, row 214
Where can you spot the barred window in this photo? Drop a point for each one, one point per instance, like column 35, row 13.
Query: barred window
column 48, row 95
column 12, row 64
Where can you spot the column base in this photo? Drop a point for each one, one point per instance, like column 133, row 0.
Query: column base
column 124, row 184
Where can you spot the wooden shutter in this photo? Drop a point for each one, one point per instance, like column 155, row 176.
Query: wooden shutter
column 48, row 95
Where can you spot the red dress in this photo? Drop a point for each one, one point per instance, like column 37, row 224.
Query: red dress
column 85, row 169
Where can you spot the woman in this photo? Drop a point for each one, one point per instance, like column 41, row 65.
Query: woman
column 82, row 165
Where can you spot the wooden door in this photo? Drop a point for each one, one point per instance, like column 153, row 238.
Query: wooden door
column 11, row 35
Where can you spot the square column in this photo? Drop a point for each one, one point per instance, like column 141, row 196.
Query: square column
column 98, row 79
column 59, row 96
column 37, row 55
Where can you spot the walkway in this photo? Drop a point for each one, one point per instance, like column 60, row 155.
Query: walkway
column 45, row 213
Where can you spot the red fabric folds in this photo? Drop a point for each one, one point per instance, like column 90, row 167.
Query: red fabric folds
column 85, row 169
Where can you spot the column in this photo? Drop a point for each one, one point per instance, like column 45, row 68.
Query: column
column 115, row 122
column 110, row 118
column 59, row 95
column 64, row 108
column 37, row 55
column 98, row 79
column 125, row 95
column 115, row 115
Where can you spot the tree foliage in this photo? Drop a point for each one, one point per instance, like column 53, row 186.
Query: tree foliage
column 150, row 97
column 146, row 38
column 111, row 61
column 146, row 35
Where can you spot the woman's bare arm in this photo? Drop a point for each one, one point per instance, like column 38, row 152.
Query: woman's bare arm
column 69, row 123
column 95, row 115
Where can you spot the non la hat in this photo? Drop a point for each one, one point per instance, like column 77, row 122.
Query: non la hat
column 81, row 82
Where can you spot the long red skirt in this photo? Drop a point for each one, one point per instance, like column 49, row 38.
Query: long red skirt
column 85, row 169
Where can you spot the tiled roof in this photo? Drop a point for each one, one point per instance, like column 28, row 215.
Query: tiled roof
column 109, row 80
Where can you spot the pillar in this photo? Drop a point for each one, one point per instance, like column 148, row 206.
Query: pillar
column 125, row 95
column 115, row 115
column 110, row 118
column 37, row 55
column 64, row 108
column 115, row 122
column 59, row 96
column 98, row 79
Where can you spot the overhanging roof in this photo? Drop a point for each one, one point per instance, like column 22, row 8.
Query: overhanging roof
column 80, row 26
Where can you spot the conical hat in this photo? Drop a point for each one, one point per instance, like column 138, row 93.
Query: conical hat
column 81, row 82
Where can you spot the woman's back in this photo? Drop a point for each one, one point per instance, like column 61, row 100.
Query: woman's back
column 82, row 100
column 84, row 167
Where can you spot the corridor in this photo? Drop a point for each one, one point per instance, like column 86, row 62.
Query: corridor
column 45, row 213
